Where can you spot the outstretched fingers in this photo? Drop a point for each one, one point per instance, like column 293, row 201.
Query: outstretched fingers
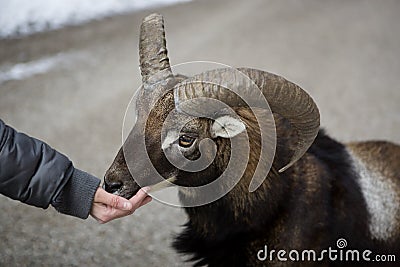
column 112, row 200
column 107, row 207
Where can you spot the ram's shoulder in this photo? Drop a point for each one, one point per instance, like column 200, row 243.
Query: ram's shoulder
column 382, row 157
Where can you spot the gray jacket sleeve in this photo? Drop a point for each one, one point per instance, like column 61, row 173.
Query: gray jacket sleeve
column 34, row 173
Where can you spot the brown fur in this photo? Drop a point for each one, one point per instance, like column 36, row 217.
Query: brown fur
column 309, row 206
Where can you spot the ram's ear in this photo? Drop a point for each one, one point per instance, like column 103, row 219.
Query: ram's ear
column 227, row 127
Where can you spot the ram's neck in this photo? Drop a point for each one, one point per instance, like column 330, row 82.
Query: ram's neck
column 240, row 211
column 240, row 207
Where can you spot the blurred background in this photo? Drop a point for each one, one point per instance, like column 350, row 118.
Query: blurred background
column 69, row 68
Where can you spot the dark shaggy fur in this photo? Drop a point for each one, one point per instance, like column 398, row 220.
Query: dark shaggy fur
column 317, row 201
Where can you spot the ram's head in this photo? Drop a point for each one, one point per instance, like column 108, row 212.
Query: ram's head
column 186, row 127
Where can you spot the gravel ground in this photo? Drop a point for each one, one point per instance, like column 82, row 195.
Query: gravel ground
column 344, row 53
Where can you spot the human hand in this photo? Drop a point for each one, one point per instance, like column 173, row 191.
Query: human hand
column 107, row 207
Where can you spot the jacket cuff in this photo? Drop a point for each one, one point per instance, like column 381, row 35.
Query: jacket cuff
column 77, row 196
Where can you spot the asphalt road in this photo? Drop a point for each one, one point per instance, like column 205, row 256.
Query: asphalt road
column 346, row 54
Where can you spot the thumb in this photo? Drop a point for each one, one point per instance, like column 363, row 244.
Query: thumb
column 114, row 201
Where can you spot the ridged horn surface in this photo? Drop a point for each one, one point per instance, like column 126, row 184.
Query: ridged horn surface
column 283, row 97
column 154, row 62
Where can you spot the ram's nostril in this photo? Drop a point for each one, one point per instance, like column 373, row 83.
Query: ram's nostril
column 113, row 186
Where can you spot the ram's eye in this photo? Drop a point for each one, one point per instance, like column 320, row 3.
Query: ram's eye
column 186, row 141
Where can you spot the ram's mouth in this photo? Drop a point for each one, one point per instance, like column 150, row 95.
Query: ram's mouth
column 129, row 191
column 124, row 191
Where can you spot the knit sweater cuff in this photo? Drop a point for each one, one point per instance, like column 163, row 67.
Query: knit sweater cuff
column 77, row 196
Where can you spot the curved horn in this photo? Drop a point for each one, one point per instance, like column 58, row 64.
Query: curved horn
column 154, row 62
column 284, row 98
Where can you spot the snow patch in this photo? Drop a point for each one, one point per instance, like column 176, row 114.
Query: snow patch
column 22, row 71
column 23, row 17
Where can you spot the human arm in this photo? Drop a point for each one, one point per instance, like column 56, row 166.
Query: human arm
column 34, row 173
